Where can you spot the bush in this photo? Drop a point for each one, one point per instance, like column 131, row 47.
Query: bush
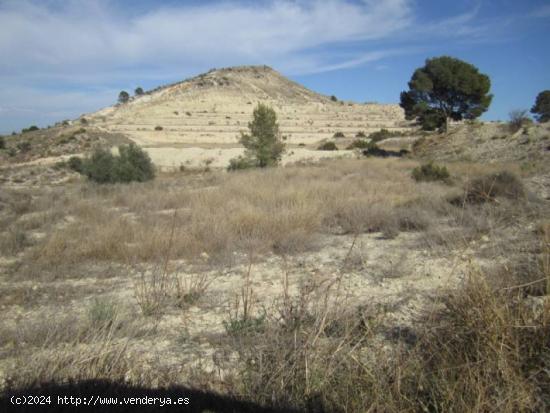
column 158, row 128
column 100, row 167
column 24, row 146
column 240, row 162
column 328, row 146
column 30, row 129
column 360, row 135
column 359, row 144
column 489, row 187
column 518, row 118
column 380, row 135
column 339, row 135
column 430, row 172
column 84, row 121
column 133, row 164
column 334, row 98
column 2, row 143
column 75, row 163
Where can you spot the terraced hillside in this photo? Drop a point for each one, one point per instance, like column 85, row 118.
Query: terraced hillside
column 210, row 110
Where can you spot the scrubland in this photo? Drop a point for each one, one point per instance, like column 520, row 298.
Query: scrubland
column 338, row 286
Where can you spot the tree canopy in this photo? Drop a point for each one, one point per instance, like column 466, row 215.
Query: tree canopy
column 446, row 88
column 541, row 109
column 139, row 91
column 123, row 97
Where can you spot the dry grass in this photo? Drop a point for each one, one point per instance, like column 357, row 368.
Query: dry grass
column 481, row 347
column 276, row 210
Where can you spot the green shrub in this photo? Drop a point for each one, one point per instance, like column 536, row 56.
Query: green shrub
column 12, row 152
column 30, row 129
column 2, row 143
column 264, row 143
column 102, row 312
column 75, row 163
column 240, row 162
column 430, row 172
column 381, row 135
column 100, row 167
column 359, row 144
column 158, row 128
column 328, row 146
column 334, row 98
column 132, row 164
column 339, row 135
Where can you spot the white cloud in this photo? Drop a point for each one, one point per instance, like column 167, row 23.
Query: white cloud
column 86, row 43
column 90, row 34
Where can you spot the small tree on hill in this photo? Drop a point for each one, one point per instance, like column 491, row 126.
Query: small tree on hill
column 123, row 97
column 541, row 109
column 264, row 144
column 446, row 88
column 139, row 91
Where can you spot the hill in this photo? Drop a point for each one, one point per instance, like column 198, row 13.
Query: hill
column 212, row 108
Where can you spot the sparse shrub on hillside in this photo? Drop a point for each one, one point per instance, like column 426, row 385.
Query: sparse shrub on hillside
column 158, row 128
column 383, row 134
column 430, row 172
column 518, row 118
column 12, row 152
column 132, row 164
column 264, row 143
column 334, row 98
column 328, row 146
column 359, row 144
column 487, row 188
column 139, row 91
column 338, row 135
column 541, row 108
column 360, row 135
column 30, row 129
column 84, row 121
column 24, row 146
column 372, row 149
column 2, row 143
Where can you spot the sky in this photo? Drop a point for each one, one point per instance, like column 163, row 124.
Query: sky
column 62, row 58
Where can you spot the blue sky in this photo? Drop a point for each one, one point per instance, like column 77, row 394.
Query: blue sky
column 62, row 58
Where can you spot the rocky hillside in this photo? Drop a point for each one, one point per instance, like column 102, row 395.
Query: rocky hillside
column 211, row 109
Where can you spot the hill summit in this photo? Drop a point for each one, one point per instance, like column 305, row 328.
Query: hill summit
column 212, row 108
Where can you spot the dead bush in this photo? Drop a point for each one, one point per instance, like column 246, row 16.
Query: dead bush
column 488, row 188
